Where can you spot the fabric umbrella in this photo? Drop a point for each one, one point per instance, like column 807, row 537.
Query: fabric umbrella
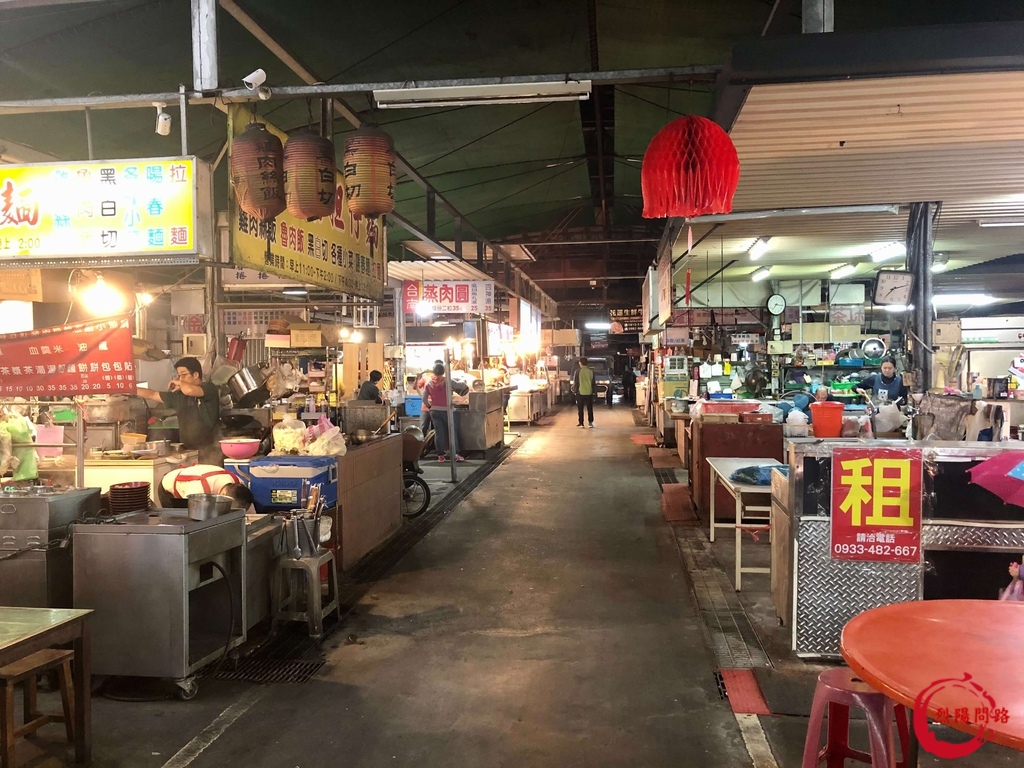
column 1003, row 475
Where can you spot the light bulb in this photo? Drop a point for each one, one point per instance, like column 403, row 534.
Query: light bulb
column 357, row 338
column 101, row 299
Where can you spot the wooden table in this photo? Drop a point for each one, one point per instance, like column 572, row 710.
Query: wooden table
column 903, row 649
column 24, row 631
column 721, row 471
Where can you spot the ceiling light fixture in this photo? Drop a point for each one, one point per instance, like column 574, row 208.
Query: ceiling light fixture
column 759, row 248
column 596, row 326
column 295, row 292
column 897, row 308
column 424, row 309
column 939, row 263
column 888, row 251
column 470, row 95
column 1001, row 222
column 844, row 271
column 963, row 300
column 761, row 274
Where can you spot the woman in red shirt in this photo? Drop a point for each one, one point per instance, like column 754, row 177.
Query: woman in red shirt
column 435, row 396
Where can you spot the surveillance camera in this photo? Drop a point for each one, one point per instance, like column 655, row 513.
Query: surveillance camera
column 255, row 80
column 263, row 93
column 163, row 120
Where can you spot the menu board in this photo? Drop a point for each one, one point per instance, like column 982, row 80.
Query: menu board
column 88, row 358
column 105, row 212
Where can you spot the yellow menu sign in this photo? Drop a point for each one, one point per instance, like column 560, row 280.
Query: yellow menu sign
column 101, row 210
column 339, row 252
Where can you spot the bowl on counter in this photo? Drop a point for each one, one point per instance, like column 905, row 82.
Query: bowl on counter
column 203, row 506
column 240, row 447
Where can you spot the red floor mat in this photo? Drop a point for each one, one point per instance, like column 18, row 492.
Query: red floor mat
column 664, row 458
column 643, row 439
column 744, row 693
column 676, row 506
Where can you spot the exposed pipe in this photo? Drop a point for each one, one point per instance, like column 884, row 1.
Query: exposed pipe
column 777, row 213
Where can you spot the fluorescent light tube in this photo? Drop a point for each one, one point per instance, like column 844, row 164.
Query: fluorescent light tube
column 761, row 274
column 295, row 292
column 1001, row 222
column 963, row 300
column 468, row 95
column 888, row 251
column 759, row 248
column 896, row 308
column 844, row 271
column 597, row 326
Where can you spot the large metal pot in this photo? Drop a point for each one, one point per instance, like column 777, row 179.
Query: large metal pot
column 203, row 506
column 248, row 387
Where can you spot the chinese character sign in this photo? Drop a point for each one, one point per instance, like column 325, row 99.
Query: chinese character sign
column 98, row 209
column 341, row 252
column 876, row 504
column 626, row 320
column 89, row 358
column 449, row 297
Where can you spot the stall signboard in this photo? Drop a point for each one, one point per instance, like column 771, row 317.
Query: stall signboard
column 340, row 252
column 691, row 317
column 665, row 288
column 102, row 212
column 21, row 285
column 627, row 320
column 254, row 322
column 449, row 297
column 89, row 358
column 876, row 504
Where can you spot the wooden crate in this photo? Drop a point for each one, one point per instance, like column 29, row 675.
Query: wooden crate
column 721, row 418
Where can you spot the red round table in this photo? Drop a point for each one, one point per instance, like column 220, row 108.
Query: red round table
column 904, row 649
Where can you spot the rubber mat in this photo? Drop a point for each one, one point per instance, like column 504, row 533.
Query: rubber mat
column 666, row 462
column 676, row 506
column 643, row 439
column 789, row 691
column 744, row 693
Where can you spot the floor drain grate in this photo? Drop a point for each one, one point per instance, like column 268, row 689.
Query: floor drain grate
column 254, row 670
column 723, row 693
column 665, row 476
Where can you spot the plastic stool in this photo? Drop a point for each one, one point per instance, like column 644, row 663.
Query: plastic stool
column 25, row 671
column 838, row 690
column 308, row 570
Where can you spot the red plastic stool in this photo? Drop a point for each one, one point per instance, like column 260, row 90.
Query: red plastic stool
column 838, row 690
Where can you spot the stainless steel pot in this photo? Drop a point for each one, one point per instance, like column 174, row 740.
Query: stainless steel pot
column 203, row 506
column 107, row 411
column 248, row 387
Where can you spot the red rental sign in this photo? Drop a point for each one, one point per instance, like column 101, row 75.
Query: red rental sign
column 876, row 504
column 90, row 358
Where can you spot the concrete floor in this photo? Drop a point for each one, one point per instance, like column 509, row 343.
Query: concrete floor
column 547, row 621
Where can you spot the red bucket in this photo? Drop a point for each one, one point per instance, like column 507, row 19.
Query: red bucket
column 827, row 419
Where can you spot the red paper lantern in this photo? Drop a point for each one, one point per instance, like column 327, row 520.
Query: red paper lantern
column 310, row 171
column 370, row 176
column 690, row 169
column 256, row 170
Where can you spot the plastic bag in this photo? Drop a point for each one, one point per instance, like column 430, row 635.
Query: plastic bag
column 796, row 417
column 330, row 443
column 289, row 438
column 889, row 419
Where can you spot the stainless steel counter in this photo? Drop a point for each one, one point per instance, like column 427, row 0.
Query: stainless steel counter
column 481, row 425
column 161, row 604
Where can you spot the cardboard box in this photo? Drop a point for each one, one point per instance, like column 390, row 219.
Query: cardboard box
column 721, row 418
column 305, row 335
column 277, row 341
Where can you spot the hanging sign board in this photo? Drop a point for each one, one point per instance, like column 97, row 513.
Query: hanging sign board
column 21, row 285
column 105, row 212
column 627, row 320
column 876, row 504
column 89, row 358
column 665, row 288
column 449, row 297
column 339, row 252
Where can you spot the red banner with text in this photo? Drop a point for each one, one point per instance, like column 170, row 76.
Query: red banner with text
column 876, row 504
column 88, row 358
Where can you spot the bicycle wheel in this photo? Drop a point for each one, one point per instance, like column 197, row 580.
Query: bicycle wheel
column 415, row 496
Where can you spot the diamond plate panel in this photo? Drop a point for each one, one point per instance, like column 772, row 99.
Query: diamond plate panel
column 831, row 592
column 941, row 535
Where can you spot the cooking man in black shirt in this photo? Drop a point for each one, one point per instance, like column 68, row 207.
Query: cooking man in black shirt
column 197, row 404
column 369, row 390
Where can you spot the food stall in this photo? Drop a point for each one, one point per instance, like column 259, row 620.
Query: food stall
column 481, row 422
column 933, row 534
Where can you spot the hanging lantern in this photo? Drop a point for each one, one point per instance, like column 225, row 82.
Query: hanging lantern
column 310, row 170
column 369, row 168
column 690, row 169
column 256, row 172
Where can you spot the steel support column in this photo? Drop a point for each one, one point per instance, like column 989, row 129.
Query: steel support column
column 920, row 259
column 204, row 45
column 818, row 16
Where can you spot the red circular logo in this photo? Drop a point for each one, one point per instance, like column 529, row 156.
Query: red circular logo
column 983, row 712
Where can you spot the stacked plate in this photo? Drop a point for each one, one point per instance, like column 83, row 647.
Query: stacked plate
column 129, row 497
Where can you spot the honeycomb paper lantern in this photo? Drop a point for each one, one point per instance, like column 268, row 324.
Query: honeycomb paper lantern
column 256, row 170
column 690, row 169
column 369, row 170
column 310, row 169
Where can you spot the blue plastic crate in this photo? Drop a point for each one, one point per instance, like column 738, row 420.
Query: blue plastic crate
column 413, row 405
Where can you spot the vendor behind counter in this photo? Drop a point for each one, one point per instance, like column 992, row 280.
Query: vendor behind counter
column 197, row 405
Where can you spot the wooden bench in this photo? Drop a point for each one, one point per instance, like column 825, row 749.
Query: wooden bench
column 25, row 671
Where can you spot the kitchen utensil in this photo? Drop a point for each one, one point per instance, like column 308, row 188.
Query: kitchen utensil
column 248, row 387
column 142, row 453
column 162, row 447
column 361, row 436
column 129, row 497
column 873, row 348
column 203, row 506
column 240, row 447
column 170, row 434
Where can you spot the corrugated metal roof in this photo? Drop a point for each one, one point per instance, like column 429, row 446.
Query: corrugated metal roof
column 958, row 139
column 434, row 270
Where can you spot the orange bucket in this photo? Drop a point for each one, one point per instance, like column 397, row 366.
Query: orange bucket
column 827, row 419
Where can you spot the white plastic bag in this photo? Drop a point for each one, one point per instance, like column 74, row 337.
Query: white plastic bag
column 796, row 417
column 330, row 443
column 289, row 438
column 889, row 419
